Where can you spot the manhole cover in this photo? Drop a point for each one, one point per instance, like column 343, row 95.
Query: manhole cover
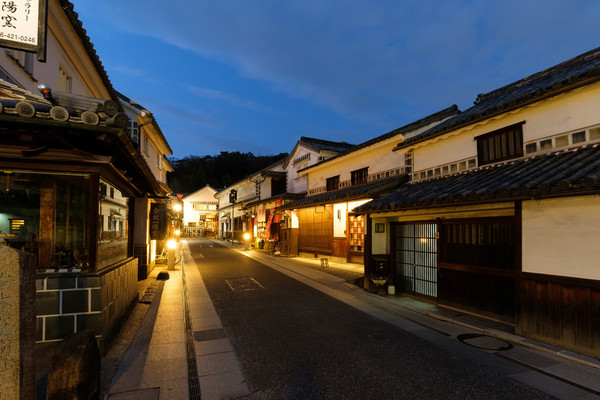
column 484, row 342
column 243, row 284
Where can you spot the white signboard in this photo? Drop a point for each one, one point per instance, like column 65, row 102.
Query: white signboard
column 23, row 25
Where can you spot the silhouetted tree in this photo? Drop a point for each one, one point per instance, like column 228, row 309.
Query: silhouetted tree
column 193, row 172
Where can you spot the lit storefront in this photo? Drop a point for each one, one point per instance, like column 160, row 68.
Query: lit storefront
column 67, row 191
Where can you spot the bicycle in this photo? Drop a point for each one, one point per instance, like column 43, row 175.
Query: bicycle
column 163, row 258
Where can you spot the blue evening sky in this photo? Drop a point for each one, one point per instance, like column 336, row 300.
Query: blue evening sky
column 255, row 75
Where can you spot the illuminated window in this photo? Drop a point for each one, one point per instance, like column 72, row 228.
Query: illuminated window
column 16, row 225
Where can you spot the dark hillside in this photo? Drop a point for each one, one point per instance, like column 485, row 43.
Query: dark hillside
column 193, row 172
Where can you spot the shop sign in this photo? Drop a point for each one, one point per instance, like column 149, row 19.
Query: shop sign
column 23, row 26
column 159, row 221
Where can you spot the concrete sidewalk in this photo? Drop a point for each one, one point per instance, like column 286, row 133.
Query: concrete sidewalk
column 182, row 352
column 155, row 365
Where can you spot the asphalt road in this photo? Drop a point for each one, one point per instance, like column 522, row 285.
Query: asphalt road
column 294, row 342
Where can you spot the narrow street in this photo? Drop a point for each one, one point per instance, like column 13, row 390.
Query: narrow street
column 294, row 342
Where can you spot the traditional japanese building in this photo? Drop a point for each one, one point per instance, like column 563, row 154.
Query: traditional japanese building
column 70, row 180
column 500, row 215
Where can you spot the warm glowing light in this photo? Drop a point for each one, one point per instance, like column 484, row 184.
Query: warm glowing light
column 177, row 232
column 171, row 244
column 246, row 236
column 177, row 207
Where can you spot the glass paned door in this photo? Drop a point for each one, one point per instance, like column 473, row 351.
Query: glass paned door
column 416, row 258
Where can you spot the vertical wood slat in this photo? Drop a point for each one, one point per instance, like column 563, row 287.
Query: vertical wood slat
column 568, row 313
column 553, row 311
column 562, row 311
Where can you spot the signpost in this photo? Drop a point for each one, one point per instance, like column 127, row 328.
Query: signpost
column 23, row 25
column 159, row 221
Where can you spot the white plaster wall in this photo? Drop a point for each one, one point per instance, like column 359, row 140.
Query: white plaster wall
column 295, row 184
column 380, row 242
column 569, row 112
column 565, row 113
column 339, row 220
column 561, row 237
column 379, row 157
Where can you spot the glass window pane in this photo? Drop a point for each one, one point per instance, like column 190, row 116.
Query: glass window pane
column 113, row 231
column 46, row 215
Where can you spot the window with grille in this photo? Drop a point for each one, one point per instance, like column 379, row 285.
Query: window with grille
column 359, row 176
column 500, row 145
column 482, row 243
column 333, row 183
column 133, row 132
column 357, row 232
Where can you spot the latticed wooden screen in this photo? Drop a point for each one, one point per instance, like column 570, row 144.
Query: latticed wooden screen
column 356, row 232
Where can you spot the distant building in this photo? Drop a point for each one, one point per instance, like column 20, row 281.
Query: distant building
column 200, row 213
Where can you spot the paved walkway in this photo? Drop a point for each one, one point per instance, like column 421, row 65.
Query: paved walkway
column 168, row 346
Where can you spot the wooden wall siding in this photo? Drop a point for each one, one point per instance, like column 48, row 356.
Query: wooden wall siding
column 356, row 257
column 488, row 295
column 340, row 247
column 561, row 311
column 315, row 228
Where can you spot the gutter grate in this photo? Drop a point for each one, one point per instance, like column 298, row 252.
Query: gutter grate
column 243, row 284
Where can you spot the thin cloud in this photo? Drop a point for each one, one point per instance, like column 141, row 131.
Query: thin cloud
column 229, row 98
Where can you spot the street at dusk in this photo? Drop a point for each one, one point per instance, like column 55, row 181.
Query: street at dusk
column 299, row 200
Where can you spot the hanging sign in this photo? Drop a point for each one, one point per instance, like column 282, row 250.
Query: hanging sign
column 23, row 26
column 159, row 221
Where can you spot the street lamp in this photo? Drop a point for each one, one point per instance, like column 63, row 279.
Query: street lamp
column 246, row 241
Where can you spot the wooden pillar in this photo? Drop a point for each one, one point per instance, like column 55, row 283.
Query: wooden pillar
column 94, row 207
column 368, row 251
column 47, row 221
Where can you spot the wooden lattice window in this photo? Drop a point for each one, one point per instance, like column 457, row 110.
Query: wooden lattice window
column 333, row 183
column 503, row 144
column 359, row 176
column 357, row 232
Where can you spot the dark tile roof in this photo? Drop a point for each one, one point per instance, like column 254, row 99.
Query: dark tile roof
column 368, row 190
column 126, row 99
column 557, row 174
column 437, row 116
column 283, row 196
column 88, row 112
column 576, row 72
column 326, row 145
column 88, row 129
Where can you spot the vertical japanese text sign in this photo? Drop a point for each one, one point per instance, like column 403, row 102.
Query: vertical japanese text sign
column 23, row 25
column 159, row 221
